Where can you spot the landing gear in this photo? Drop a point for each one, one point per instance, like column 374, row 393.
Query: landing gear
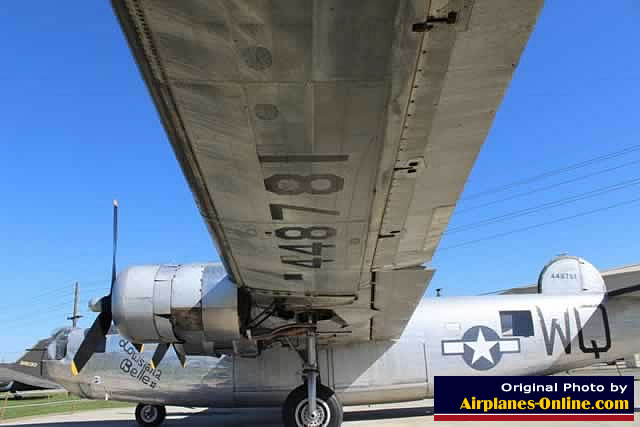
column 312, row 404
column 328, row 413
column 150, row 415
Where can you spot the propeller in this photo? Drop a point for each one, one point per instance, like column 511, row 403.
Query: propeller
column 161, row 351
column 96, row 338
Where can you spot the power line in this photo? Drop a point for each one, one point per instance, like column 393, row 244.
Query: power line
column 56, row 293
column 542, row 224
column 36, row 299
column 28, row 319
column 8, row 315
column 544, row 206
column 64, row 288
column 68, row 285
column 60, row 288
column 545, row 188
column 37, row 311
column 552, row 172
column 95, row 287
column 39, row 308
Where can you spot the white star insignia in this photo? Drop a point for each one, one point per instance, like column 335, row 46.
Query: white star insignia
column 481, row 348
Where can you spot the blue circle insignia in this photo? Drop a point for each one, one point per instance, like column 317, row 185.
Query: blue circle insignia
column 481, row 348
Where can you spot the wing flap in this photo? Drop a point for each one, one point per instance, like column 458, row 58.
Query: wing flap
column 397, row 294
column 464, row 75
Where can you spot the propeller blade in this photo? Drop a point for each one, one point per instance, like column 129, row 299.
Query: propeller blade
column 95, row 341
column 158, row 355
column 96, row 338
column 115, row 243
column 138, row 347
column 182, row 356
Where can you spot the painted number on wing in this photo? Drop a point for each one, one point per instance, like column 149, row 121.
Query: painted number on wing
column 292, row 185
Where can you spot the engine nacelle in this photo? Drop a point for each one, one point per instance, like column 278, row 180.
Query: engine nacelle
column 195, row 304
column 570, row 275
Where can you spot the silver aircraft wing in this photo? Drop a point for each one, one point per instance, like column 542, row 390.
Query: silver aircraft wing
column 326, row 142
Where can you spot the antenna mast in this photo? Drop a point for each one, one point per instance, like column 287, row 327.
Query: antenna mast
column 76, row 316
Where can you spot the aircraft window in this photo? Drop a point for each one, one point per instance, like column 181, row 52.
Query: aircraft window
column 516, row 323
column 61, row 347
column 60, row 332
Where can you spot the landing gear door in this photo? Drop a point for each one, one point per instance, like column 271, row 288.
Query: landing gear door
column 594, row 335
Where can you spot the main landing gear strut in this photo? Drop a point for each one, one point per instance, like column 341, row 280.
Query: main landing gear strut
column 312, row 404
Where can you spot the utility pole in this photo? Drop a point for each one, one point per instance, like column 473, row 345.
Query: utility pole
column 76, row 316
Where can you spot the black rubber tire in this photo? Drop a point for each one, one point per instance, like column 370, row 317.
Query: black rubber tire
column 326, row 398
column 159, row 419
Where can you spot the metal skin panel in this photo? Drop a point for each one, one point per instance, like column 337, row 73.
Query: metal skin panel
column 433, row 343
column 461, row 79
column 260, row 381
column 397, row 294
column 187, row 305
column 570, row 275
column 325, row 139
column 162, row 302
column 186, row 291
column 219, row 308
column 162, row 289
column 132, row 302
column 164, row 329
column 362, row 371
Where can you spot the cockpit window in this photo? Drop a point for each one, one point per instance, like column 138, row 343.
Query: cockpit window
column 516, row 323
column 58, row 346
column 61, row 348
column 61, row 332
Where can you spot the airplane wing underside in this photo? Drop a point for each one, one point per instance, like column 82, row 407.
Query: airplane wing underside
column 327, row 142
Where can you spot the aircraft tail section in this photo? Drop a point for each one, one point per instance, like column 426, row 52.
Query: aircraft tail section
column 567, row 275
column 28, row 372
column 31, row 362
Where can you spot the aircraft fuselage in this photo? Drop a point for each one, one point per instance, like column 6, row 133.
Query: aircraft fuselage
column 486, row 335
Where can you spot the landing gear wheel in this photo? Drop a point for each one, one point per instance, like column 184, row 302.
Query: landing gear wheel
column 150, row 415
column 295, row 412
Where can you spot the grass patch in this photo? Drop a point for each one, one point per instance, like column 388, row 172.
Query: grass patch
column 56, row 403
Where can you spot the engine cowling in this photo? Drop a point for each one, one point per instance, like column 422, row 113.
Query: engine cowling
column 194, row 304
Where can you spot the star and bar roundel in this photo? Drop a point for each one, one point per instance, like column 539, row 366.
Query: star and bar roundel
column 481, row 347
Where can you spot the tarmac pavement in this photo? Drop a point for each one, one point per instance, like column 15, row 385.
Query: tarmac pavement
column 402, row 414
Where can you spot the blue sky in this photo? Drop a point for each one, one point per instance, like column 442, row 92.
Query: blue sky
column 78, row 128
